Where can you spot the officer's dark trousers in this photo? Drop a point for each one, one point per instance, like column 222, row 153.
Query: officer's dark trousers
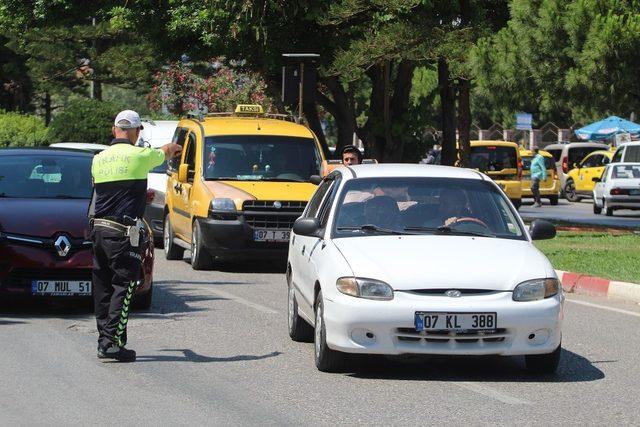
column 117, row 266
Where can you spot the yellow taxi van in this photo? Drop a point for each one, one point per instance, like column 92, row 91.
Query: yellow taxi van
column 501, row 161
column 241, row 181
column 549, row 188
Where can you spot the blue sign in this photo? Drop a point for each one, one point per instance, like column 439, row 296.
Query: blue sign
column 523, row 121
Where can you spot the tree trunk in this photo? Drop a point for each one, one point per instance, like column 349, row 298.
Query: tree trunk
column 464, row 121
column 447, row 106
column 46, row 105
column 400, row 110
column 370, row 133
column 97, row 91
column 311, row 115
column 341, row 110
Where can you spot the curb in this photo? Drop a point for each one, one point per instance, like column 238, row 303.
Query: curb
column 584, row 284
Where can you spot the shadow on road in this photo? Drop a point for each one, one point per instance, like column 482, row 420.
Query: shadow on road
column 4, row 322
column 573, row 368
column 249, row 266
column 193, row 357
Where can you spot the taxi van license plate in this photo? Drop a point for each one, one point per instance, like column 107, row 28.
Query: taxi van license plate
column 428, row 321
column 271, row 235
column 61, row 287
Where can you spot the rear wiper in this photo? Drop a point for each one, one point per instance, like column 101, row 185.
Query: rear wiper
column 447, row 230
column 371, row 228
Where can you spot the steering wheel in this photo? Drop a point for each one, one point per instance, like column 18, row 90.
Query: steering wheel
column 468, row 219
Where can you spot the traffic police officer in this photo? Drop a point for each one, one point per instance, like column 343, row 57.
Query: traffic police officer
column 120, row 186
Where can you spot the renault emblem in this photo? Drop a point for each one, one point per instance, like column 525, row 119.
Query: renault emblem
column 453, row 293
column 62, row 245
column 277, row 205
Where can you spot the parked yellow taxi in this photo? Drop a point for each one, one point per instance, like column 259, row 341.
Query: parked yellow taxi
column 242, row 180
column 549, row 188
column 501, row 161
column 579, row 183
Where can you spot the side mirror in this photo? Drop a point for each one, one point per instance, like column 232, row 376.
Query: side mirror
column 306, row 227
column 596, row 179
column 183, row 171
column 542, row 230
column 576, row 165
column 315, row 179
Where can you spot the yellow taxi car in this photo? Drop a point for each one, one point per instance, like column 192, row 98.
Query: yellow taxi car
column 579, row 183
column 241, row 181
column 549, row 188
column 501, row 161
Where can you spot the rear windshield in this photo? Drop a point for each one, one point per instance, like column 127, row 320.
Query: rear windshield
column 555, row 152
column 526, row 163
column 493, row 158
column 45, row 176
column 261, row 158
column 626, row 172
column 576, row 154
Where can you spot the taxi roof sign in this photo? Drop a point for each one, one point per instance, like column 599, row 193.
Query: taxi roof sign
column 249, row 109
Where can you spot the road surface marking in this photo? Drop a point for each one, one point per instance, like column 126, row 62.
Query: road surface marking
column 492, row 393
column 604, row 307
column 246, row 302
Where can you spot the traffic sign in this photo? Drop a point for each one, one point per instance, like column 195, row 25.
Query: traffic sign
column 523, row 121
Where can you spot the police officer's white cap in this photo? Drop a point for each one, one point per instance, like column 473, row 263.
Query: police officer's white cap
column 128, row 119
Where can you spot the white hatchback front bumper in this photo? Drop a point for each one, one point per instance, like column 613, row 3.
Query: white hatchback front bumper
column 356, row 325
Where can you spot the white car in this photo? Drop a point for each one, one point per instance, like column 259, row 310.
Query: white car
column 156, row 134
column 420, row 259
column 618, row 188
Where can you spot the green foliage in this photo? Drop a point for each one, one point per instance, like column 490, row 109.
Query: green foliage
column 85, row 120
column 21, row 130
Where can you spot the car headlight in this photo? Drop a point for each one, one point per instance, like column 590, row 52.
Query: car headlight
column 537, row 289
column 223, row 205
column 364, row 288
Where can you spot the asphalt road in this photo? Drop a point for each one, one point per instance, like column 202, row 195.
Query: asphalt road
column 579, row 213
column 214, row 350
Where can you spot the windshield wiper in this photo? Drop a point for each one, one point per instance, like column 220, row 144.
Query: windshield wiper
column 65, row 196
column 281, row 179
column 371, row 228
column 447, row 230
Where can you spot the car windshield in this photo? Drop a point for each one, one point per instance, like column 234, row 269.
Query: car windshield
column 45, row 176
column 259, row 158
column 424, row 205
column 626, row 172
column 488, row 158
column 576, row 154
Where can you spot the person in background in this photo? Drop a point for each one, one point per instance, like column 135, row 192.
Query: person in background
column 538, row 173
column 351, row 155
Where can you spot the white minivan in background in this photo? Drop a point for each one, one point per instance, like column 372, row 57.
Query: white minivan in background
column 566, row 154
column 156, row 133
column 628, row 152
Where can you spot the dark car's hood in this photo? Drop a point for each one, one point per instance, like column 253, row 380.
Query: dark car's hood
column 44, row 217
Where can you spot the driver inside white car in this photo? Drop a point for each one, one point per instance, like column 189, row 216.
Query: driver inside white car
column 453, row 206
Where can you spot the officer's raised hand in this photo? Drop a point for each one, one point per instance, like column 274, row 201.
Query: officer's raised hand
column 171, row 150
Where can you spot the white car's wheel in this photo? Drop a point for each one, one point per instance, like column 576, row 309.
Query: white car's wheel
column 544, row 363
column 327, row 360
column 596, row 209
column 299, row 329
column 605, row 207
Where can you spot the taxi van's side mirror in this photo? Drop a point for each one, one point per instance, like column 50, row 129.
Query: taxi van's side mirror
column 315, row 179
column 542, row 230
column 576, row 165
column 596, row 179
column 306, row 226
column 183, row 171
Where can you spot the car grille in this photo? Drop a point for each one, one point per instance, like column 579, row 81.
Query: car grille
column 24, row 276
column 263, row 213
column 410, row 335
column 77, row 244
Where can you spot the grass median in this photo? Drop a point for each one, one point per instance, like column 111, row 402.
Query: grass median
column 615, row 256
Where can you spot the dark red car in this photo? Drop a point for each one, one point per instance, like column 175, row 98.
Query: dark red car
column 44, row 245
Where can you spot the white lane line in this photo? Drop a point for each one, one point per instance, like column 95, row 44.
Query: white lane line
column 492, row 393
column 246, row 302
column 604, row 307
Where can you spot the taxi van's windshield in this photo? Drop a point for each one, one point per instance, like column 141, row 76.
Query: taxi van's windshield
column 260, row 158
column 45, row 176
column 424, row 205
column 493, row 158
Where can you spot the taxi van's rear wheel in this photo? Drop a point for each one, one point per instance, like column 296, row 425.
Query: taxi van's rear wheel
column 517, row 203
column 171, row 250
column 200, row 257
column 299, row 329
column 553, row 200
column 570, row 191
column 327, row 360
column 543, row 363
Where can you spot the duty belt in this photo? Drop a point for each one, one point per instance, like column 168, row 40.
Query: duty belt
column 105, row 223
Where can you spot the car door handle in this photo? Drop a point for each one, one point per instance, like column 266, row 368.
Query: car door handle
column 178, row 188
column 303, row 249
